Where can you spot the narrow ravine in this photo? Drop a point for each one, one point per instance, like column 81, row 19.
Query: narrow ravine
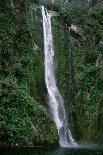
column 56, row 103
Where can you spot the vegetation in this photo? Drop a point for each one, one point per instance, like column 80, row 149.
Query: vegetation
column 87, row 69
column 24, row 119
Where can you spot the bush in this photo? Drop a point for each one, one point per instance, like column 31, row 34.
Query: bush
column 22, row 120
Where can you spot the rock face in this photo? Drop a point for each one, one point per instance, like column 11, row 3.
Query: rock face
column 78, row 67
column 77, row 35
column 74, row 31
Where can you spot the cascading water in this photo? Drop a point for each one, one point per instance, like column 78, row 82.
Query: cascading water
column 56, row 104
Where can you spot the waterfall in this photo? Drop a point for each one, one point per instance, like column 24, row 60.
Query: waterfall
column 56, row 104
column 52, row 1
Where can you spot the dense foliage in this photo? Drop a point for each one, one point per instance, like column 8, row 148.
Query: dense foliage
column 22, row 120
column 86, row 44
column 78, row 66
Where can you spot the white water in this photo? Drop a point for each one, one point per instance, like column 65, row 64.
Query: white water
column 52, row 1
column 56, row 104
